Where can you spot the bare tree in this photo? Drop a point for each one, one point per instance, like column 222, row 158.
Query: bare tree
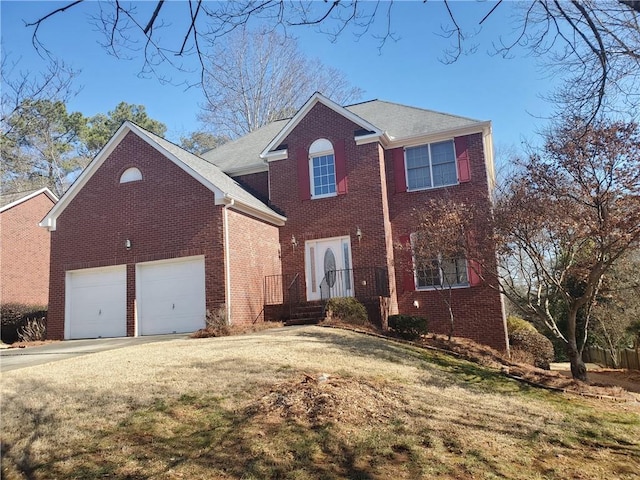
column 592, row 44
column 258, row 77
column 565, row 220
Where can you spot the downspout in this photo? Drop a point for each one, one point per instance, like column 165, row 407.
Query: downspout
column 227, row 259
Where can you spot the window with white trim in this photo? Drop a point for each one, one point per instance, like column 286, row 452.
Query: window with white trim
column 431, row 165
column 439, row 272
column 322, row 169
column 131, row 175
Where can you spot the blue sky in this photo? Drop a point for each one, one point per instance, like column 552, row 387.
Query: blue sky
column 408, row 71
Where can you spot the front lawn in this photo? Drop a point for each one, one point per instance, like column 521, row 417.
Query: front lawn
column 303, row 403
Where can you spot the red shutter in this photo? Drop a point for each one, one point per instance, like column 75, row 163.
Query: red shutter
column 303, row 174
column 397, row 155
column 474, row 273
column 462, row 157
column 406, row 264
column 341, row 166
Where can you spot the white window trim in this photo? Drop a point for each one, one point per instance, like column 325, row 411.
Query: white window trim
column 132, row 174
column 432, row 187
column 457, row 286
column 315, row 153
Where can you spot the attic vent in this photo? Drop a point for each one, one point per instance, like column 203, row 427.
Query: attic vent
column 131, row 175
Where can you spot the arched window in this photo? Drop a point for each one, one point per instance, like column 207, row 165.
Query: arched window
column 131, row 175
column 322, row 169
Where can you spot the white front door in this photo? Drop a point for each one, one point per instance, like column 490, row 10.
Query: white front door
column 328, row 268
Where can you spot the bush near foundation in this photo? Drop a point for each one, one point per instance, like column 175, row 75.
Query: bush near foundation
column 346, row 309
column 15, row 317
column 408, row 327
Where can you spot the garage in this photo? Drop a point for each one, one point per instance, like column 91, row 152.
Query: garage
column 96, row 303
column 170, row 296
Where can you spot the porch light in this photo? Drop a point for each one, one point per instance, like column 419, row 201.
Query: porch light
column 294, row 242
column 127, row 244
column 358, row 234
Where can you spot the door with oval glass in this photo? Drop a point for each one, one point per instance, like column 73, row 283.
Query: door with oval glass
column 328, row 268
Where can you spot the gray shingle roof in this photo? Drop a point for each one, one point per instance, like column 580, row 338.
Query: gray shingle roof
column 244, row 153
column 212, row 173
column 398, row 121
column 402, row 121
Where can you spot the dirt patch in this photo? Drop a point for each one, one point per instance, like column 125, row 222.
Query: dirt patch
column 322, row 398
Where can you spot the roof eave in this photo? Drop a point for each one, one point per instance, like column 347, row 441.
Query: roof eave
column 269, row 217
column 430, row 137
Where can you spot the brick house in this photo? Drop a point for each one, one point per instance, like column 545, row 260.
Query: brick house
column 294, row 213
column 24, row 247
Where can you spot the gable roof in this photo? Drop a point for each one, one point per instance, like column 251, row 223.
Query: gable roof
column 226, row 190
column 10, row 200
column 270, row 151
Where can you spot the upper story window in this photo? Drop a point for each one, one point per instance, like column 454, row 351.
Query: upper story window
column 431, row 165
column 131, row 175
column 322, row 169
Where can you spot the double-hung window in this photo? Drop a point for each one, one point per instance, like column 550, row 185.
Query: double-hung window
column 441, row 272
column 437, row 271
column 322, row 169
column 431, row 165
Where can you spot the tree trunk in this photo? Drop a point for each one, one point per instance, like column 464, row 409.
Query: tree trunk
column 578, row 368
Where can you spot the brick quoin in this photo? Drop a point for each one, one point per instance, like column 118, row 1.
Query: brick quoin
column 166, row 215
column 24, row 252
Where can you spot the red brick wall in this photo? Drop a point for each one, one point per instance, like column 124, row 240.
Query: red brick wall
column 362, row 206
column 166, row 215
column 253, row 253
column 255, row 183
column 24, row 253
column 477, row 310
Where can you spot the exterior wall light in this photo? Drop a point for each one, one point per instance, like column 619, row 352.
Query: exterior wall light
column 294, row 242
column 358, row 234
column 127, row 244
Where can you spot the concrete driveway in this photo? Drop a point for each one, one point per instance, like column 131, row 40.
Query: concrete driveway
column 15, row 358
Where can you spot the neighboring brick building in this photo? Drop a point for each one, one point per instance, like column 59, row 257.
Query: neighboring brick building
column 24, row 247
column 332, row 191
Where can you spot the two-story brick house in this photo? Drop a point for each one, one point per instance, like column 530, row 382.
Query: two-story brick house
column 298, row 211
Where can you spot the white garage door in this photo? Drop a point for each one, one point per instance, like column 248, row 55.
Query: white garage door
column 96, row 302
column 170, row 296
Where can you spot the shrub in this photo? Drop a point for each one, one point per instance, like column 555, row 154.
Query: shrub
column 536, row 345
column 346, row 309
column 34, row 330
column 216, row 324
column 15, row 316
column 408, row 327
column 517, row 324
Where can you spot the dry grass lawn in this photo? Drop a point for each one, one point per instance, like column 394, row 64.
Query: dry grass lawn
column 302, row 403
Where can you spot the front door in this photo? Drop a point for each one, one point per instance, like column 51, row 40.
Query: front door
column 328, row 268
